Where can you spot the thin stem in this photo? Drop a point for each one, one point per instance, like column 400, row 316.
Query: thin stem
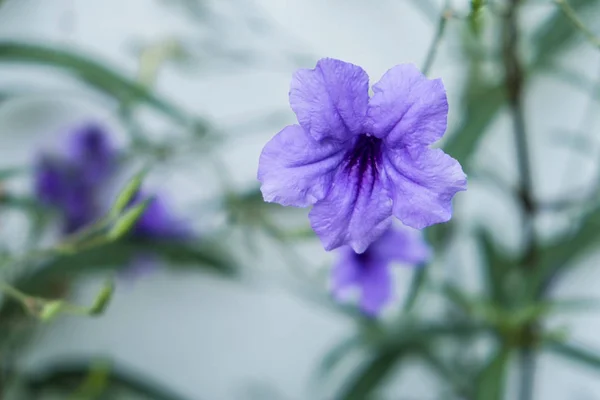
column 433, row 47
column 572, row 16
column 514, row 88
column 527, row 374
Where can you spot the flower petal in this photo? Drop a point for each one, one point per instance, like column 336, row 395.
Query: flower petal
column 422, row 183
column 331, row 100
column 376, row 288
column 371, row 278
column 356, row 211
column 402, row 244
column 345, row 273
column 295, row 169
column 407, row 108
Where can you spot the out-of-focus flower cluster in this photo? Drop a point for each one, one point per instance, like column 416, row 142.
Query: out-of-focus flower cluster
column 75, row 181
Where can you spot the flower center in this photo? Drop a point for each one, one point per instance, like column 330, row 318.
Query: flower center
column 365, row 156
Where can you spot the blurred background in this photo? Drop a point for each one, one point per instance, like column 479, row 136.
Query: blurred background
column 218, row 295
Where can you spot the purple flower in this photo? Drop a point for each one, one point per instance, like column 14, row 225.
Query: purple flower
column 59, row 184
column 91, row 150
column 360, row 160
column 157, row 222
column 370, row 272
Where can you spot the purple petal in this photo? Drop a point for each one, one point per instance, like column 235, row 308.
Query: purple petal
column 51, row 180
column 401, row 244
column 346, row 272
column 157, row 221
column 92, row 151
column 356, row 211
column 370, row 276
column 296, row 170
column 331, row 100
column 422, row 183
column 407, row 108
column 376, row 288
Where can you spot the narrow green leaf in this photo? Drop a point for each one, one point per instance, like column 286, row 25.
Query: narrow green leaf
column 126, row 222
column 559, row 256
column 127, row 194
column 61, row 376
column 364, row 383
column 573, row 352
column 335, row 355
column 496, row 267
column 93, row 73
column 103, row 299
column 483, row 101
column 51, row 309
column 417, row 283
column 557, row 32
column 491, row 381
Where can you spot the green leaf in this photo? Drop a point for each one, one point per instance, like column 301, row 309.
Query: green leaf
column 93, row 73
column 207, row 255
column 126, row 222
column 51, row 309
column 103, row 299
column 496, row 267
column 372, row 374
column 483, row 101
column 560, row 256
column 574, row 353
column 127, row 194
column 417, row 283
column 335, row 355
column 491, row 380
column 66, row 376
column 557, row 33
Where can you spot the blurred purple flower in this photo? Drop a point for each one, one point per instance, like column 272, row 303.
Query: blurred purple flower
column 370, row 272
column 91, row 150
column 74, row 183
column 59, row 184
column 360, row 160
column 158, row 222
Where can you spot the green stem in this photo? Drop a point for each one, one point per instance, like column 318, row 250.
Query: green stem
column 578, row 23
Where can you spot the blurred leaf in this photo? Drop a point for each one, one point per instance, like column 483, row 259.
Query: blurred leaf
column 127, row 194
column 102, row 299
column 8, row 173
column 372, row 374
column 557, row 32
column 482, row 101
column 51, row 309
column 559, row 256
column 335, row 355
column 407, row 339
column 575, row 353
column 91, row 72
column 125, row 222
column 68, row 376
column 491, row 381
column 417, row 283
column 119, row 255
column 496, row 267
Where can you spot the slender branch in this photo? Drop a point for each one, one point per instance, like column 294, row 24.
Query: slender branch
column 514, row 88
column 527, row 374
column 572, row 16
column 446, row 14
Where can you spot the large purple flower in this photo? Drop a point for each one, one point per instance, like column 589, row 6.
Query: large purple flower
column 370, row 272
column 360, row 160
